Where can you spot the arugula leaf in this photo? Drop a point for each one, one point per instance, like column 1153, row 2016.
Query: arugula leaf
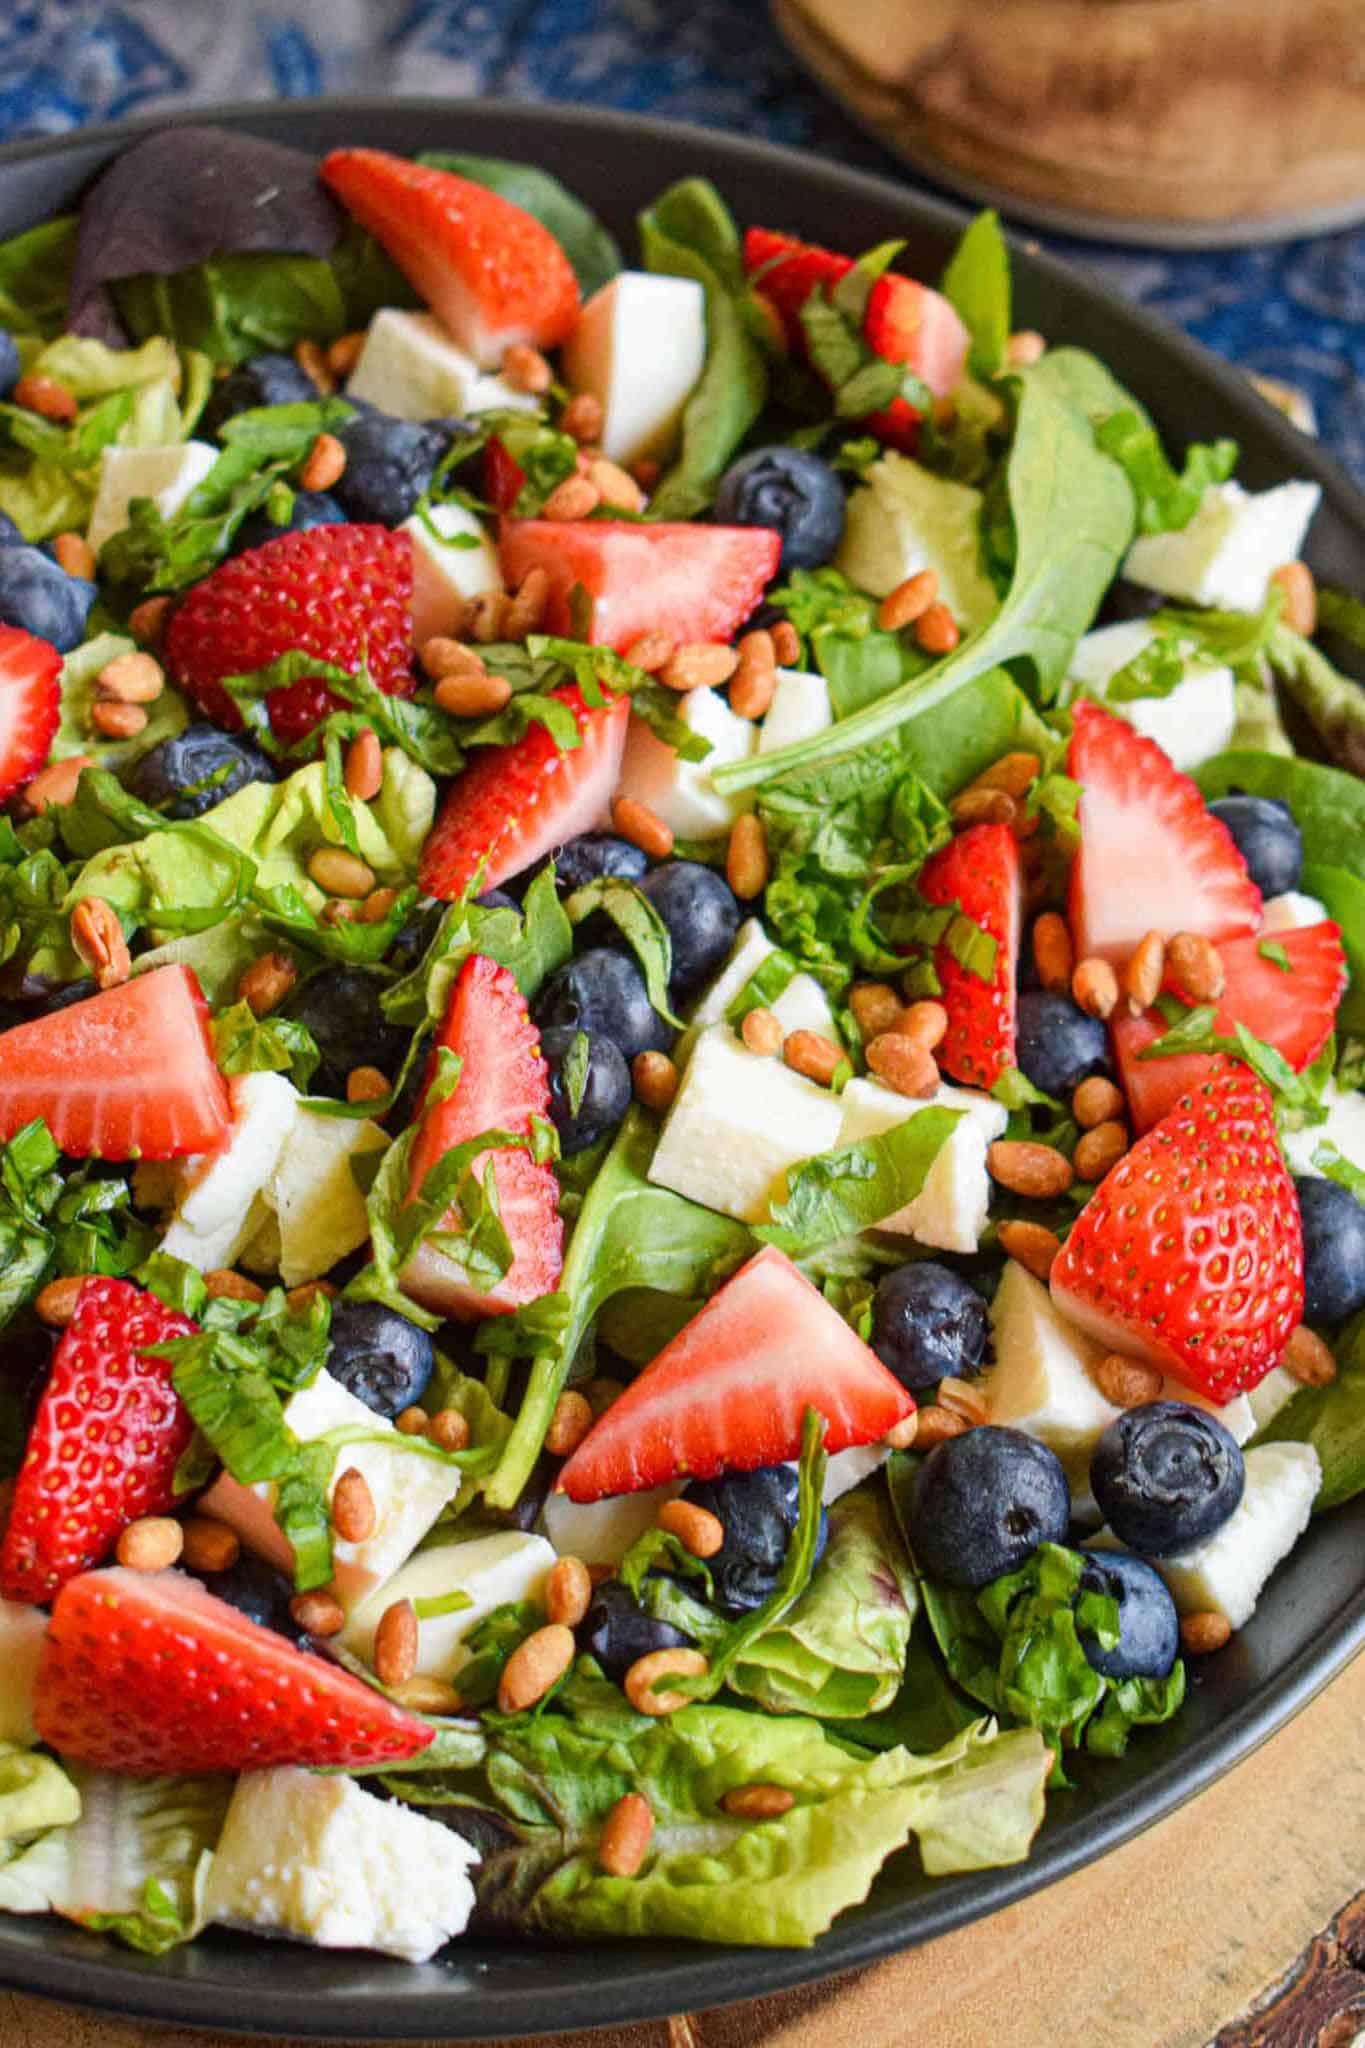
column 839, row 1193
column 977, row 285
column 589, row 248
column 639, row 924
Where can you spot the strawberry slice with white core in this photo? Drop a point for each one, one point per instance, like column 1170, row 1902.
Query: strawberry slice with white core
column 147, row 1672
column 128, row 1074
column 730, row 1391
column 30, row 705
column 691, row 582
column 1152, row 856
column 514, row 804
column 503, row 1083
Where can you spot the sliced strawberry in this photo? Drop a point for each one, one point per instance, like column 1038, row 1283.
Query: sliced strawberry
column 30, row 705
column 503, row 1083
column 1294, row 1011
column 343, row 593
column 1190, row 1252
column 691, row 582
column 123, row 1075
column 787, row 271
column 512, row 804
column 104, row 1444
column 731, row 1389
column 146, row 1672
column 491, row 273
column 1152, row 856
column 979, row 871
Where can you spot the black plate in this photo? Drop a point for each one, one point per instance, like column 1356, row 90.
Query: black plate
column 1312, row 1618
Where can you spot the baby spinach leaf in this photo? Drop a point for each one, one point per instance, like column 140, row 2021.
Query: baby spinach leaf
column 1343, row 896
column 837, row 1194
column 977, row 284
column 1328, row 804
column 1332, row 1420
column 589, row 248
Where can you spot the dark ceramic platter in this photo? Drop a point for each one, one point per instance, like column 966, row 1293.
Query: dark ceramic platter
column 1312, row 1618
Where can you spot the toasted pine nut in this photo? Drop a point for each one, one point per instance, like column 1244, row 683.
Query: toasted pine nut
column 526, row 369
column 937, row 631
column 472, row 695
column 47, row 397
column 412, row 1421
column 340, row 873
column 1308, row 1359
column 755, row 680
column 1024, row 349
column 615, row 486
column 325, row 465
column 524, row 613
column 441, row 657
column 427, row 1696
column 1032, row 1244
column 449, row 1430
column 146, row 621
column 534, row 1666
column 568, row 1591
column 209, row 1546
column 55, row 784
column 655, row 1078
column 313, row 362
column 573, row 499
column 1145, row 972
column 98, row 937
column 746, row 857
column 644, row 1673
column 395, row 1643
column 132, row 679
column 74, row 555
column 1095, row 986
column 903, row 1433
column 266, row 983
column 56, row 1303
column 1015, row 773
column 812, row 1054
column 1196, row 966
column 569, row 1424
column 786, row 643
column 937, row 1424
column 1201, row 1634
column 150, row 1544
column 1097, row 1101
column 625, row 1837
column 367, row 1084
column 651, row 651
column 926, row 1022
column 1038, row 1171
column 1127, row 1382
column 876, row 1007
column 344, row 353
column 364, row 774
column 601, row 1392
column 964, row 1399
column 1053, row 953
column 696, row 1528
column 319, row 1613
column 904, row 1063
column 487, row 614
column 761, row 1032
column 1295, row 579
column 114, row 721
column 642, row 827
column 583, row 418
column 377, row 905
column 353, row 1509
column 698, row 666
column 300, row 1298
column 1099, row 1150
column 222, row 1284
column 758, row 1802
column 981, row 806
column 909, row 601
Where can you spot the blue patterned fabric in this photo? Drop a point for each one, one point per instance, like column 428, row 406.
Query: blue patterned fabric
column 1295, row 310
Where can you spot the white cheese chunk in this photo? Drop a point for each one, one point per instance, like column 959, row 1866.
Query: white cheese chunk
column 165, row 475
column 489, row 1570
column 602, row 1531
column 682, row 792
column 950, row 1211
column 1291, row 912
column 847, row 1469
column 1230, row 549
column 494, row 393
column 411, row 369
column 409, row 1491
column 904, row 518
column 23, row 1630
column 802, row 1005
column 1192, row 724
column 318, row 1205
column 1344, row 1128
column 800, row 709
column 739, row 1120
column 639, row 346
column 1226, row 1575
column 219, row 1204
column 322, row 1860
column 1274, row 1392
column 446, row 569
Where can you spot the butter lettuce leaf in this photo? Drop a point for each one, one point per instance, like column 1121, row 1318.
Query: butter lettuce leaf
column 35, row 1793
column 166, row 716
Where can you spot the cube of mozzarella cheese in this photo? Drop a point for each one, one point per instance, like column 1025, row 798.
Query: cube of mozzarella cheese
column 1291, row 912
column 450, row 565
column 411, row 369
column 1227, row 1574
column 409, row 1491
column 318, row 1206
column 489, row 1570
column 682, row 792
column 323, row 1860
column 1344, row 1128
column 639, row 347
column 1274, row 1392
column 739, row 1120
column 493, row 393
column 904, row 518
column 800, row 709
column 802, row 1005
column 951, row 1208
column 847, row 1469
column 219, row 1206
column 165, row 475
column 1192, row 724
column 1230, row 549
column 602, row 1531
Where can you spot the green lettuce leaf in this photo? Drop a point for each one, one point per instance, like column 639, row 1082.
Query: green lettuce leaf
column 35, row 277
column 35, row 1793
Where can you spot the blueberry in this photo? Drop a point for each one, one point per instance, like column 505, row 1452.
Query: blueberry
column 12, row 1014
column 603, row 993
column 62, row 997
column 40, row 598
column 928, row 1324
column 389, row 463
column 1333, row 1250
column 702, row 914
column 497, row 899
column 606, row 1089
column 10, row 366
column 981, row 1504
column 309, row 509
column 758, row 1511
column 1056, row 1044
column 1124, row 600
column 379, row 1356
column 616, row 1630
column 258, row 1591
column 199, row 768
column 269, row 379
column 1149, row 1627
column 596, row 854
column 793, row 491
column 340, row 1006
column 11, row 534
column 1166, row 1476
column 412, row 939
column 1267, row 838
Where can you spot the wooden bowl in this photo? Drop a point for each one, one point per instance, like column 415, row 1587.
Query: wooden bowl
column 1199, row 120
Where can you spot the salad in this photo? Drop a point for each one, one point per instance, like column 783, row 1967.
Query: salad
column 682, row 1201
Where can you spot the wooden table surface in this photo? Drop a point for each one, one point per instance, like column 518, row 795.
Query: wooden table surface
column 1237, row 1923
